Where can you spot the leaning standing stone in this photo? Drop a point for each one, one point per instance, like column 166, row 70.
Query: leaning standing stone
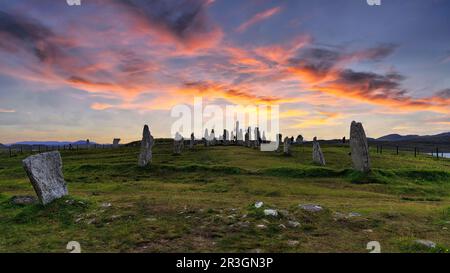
column 45, row 174
column 145, row 157
column 317, row 153
column 359, row 148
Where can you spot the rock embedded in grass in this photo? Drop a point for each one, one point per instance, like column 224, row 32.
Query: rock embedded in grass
column 45, row 174
column 259, row 204
column 24, row 200
column 359, row 148
column 311, row 207
column 426, row 243
column 293, row 224
column 271, row 212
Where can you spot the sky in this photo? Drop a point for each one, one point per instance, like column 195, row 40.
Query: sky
column 105, row 68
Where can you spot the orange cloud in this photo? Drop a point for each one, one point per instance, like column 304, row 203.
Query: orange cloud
column 258, row 18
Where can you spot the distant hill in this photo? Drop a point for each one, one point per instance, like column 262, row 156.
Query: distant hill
column 439, row 138
column 51, row 143
column 2, row 146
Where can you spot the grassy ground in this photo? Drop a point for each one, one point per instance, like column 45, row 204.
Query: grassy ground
column 202, row 201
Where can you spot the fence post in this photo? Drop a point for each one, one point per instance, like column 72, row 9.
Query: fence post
column 381, row 149
column 437, row 152
column 10, row 154
column 415, row 151
column 378, row 149
column 397, row 150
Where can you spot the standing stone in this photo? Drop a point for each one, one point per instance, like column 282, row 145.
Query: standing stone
column 299, row 140
column 279, row 140
column 257, row 137
column 145, row 157
column 116, row 143
column 212, row 138
column 248, row 137
column 178, row 144
column 317, row 153
column 264, row 139
column 344, row 140
column 192, row 142
column 287, row 146
column 45, row 174
column 359, row 148
column 240, row 138
column 232, row 139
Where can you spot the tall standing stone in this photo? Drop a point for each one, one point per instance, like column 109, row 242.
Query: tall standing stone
column 145, row 157
column 299, row 140
column 279, row 141
column 212, row 138
column 287, row 146
column 45, row 174
column 317, row 153
column 359, row 148
column 192, row 142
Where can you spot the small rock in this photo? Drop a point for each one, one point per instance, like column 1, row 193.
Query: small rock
column 259, row 204
column 271, row 212
column 243, row 224
column 24, row 200
column 151, row 219
column 293, row 224
column 368, row 230
column 444, row 228
column 354, row 214
column 78, row 220
column 427, row 243
column 261, row 226
column 92, row 221
column 292, row 243
column 311, row 207
column 282, row 226
column 106, row 205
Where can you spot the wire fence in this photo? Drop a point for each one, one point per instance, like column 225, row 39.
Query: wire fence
column 432, row 150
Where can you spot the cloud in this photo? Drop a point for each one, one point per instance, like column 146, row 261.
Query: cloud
column 445, row 94
column 261, row 16
column 324, row 70
column 182, row 21
column 2, row 110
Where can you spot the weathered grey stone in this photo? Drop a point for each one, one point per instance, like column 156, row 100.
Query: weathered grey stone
column 145, row 156
column 178, row 144
column 426, row 243
column 287, row 146
column 45, row 173
column 318, row 157
column 116, row 142
column 279, row 140
column 311, row 207
column 299, row 139
column 293, row 224
column 247, row 138
column 192, row 142
column 259, row 204
column 24, row 200
column 359, row 148
column 271, row 212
